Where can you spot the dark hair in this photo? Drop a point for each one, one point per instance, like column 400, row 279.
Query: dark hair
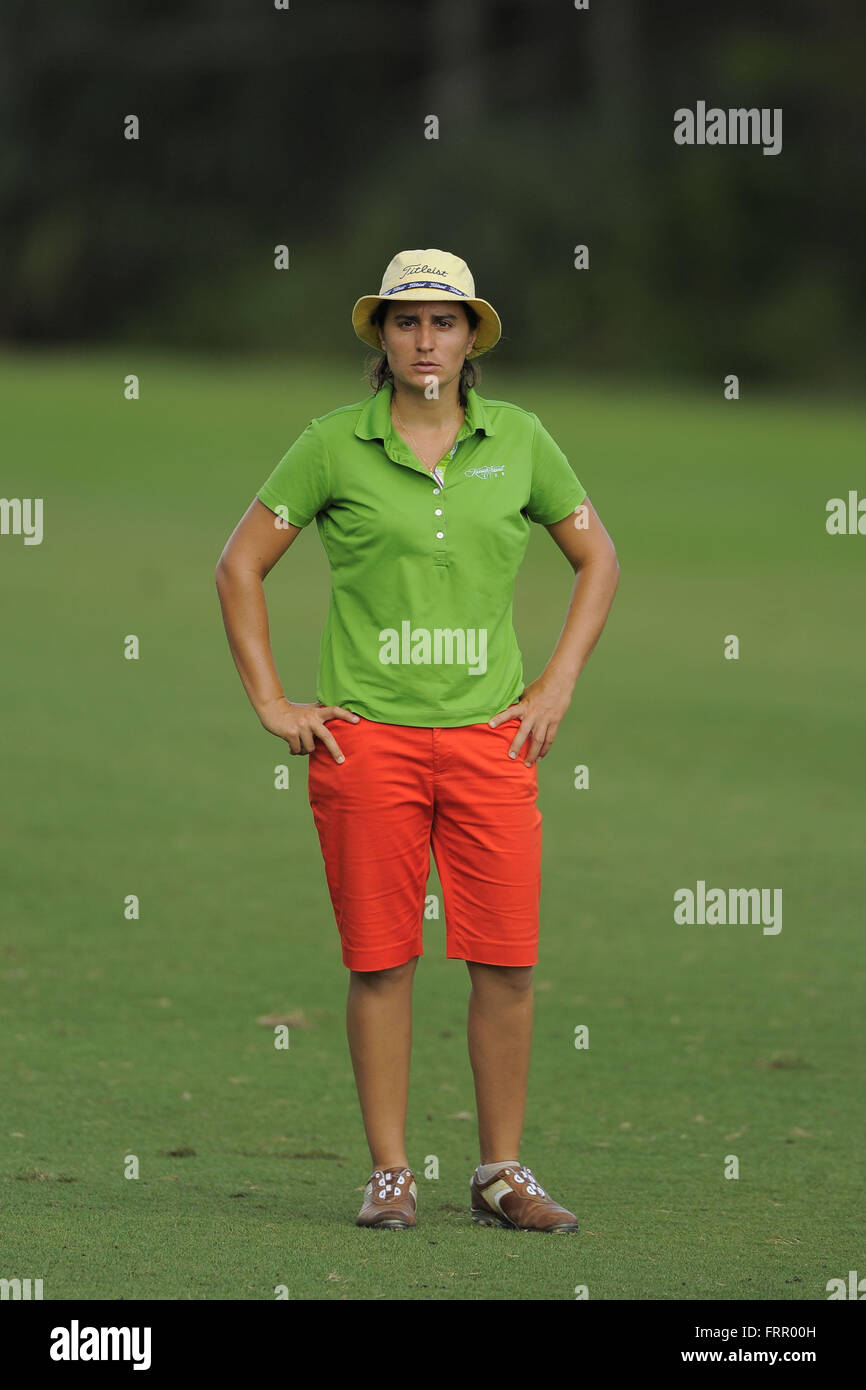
column 378, row 372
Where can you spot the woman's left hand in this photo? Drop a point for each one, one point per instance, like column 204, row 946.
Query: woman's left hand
column 540, row 709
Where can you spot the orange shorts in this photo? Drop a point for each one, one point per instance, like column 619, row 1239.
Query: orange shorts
column 403, row 790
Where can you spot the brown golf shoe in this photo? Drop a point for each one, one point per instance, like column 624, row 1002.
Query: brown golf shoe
column 390, row 1198
column 514, row 1198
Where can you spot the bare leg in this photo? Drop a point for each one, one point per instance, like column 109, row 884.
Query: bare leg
column 499, row 1030
column 379, row 1028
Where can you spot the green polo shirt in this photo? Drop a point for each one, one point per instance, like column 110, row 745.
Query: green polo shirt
column 419, row 629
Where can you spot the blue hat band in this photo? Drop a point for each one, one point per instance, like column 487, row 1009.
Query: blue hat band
column 427, row 285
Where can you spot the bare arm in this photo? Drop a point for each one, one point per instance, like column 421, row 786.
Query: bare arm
column 590, row 552
column 250, row 553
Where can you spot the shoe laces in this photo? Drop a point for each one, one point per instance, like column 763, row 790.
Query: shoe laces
column 388, row 1183
column 525, row 1175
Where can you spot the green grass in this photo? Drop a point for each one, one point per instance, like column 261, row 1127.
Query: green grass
column 155, row 778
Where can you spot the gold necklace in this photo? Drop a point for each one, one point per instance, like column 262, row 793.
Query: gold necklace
column 412, row 439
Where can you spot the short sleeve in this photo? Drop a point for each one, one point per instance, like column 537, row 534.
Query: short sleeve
column 555, row 490
column 300, row 483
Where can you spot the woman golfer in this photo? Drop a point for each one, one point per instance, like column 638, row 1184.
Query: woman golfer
column 423, row 732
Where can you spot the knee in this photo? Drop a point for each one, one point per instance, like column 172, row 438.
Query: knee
column 394, row 976
column 508, row 979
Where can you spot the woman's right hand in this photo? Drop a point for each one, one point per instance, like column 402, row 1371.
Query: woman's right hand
column 300, row 724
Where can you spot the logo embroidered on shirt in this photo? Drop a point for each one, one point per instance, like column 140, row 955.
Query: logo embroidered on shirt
column 492, row 470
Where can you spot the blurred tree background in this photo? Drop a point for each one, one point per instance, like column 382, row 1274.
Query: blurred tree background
column 305, row 127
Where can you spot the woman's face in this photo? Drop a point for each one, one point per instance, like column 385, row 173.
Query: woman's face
column 426, row 338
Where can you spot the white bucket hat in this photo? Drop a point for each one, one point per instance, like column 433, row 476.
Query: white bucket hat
column 428, row 274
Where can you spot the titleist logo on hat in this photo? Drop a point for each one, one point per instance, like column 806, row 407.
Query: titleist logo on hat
column 416, row 269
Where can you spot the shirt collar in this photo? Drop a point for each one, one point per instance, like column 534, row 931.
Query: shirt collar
column 375, row 421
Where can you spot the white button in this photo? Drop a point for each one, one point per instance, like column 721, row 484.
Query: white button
column 438, row 511
column 436, row 492
column 440, row 535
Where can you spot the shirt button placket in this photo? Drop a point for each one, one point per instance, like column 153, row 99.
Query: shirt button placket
column 439, row 552
column 438, row 511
